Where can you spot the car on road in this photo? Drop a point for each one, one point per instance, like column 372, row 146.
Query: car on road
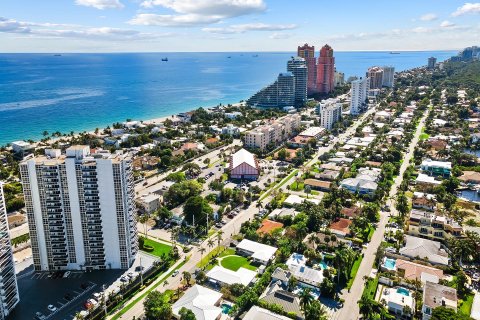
column 67, row 274
column 40, row 316
column 175, row 273
column 51, row 308
column 139, row 268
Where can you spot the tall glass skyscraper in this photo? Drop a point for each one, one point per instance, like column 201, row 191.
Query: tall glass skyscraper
column 297, row 66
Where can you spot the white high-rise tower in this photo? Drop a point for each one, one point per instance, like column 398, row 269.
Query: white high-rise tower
column 81, row 209
column 359, row 95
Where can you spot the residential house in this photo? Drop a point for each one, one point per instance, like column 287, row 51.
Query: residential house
column 268, row 227
column 276, row 294
column 428, row 250
column 259, row 252
column 340, row 227
column 413, row 271
column 318, row 184
column 436, row 168
column 328, row 175
column 470, row 177
column 256, row 313
column 221, row 276
column 424, row 201
column 399, row 302
column 432, row 226
column 150, row 202
column 436, row 295
column 203, row 302
column 306, row 276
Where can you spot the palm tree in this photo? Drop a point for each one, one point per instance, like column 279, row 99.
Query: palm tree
column 202, row 251
column 210, row 243
column 219, row 237
column 305, row 298
column 174, row 236
column 187, row 276
column 143, row 219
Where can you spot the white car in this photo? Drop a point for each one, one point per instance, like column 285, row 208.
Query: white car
column 67, row 274
column 51, row 308
column 175, row 273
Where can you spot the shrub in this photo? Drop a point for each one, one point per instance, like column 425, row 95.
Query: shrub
column 148, row 248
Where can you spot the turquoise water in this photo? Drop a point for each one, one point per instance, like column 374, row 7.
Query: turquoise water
column 323, row 265
column 403, row 291
column 76, row 92
column 390, row 264
column 226, row 308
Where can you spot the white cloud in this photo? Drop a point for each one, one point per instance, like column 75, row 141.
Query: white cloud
column 447, row 24
column 100, row 4
column 467, row 8
column 429, row 17
column 168, row 20
column 54, row 30
column 241, row 28
column 196, row 12
column 420, row 30
column 280, row 35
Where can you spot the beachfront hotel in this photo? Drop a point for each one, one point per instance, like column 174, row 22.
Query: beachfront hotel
column 81, row 210
column 273, row 132
column 8, row 282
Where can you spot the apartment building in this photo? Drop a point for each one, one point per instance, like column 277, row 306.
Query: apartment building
column 274, row 132
column 375, row 74
column 358, row 95
column 298, row 67
column 279, row 94
column 9, row 297
column 432, row 226
column 330, row 111
column 81, row 210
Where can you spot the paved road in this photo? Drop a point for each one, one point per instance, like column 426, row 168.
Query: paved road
column 233, row 227
column 152, row 182
column 350, row 310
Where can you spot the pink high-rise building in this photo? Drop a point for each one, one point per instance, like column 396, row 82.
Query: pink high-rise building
column 308, row 53
column 325, row 70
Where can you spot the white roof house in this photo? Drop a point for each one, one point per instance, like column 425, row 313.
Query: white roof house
column 424, row 248
column 225, row 276
column 258, row 251
column 203, row 302
column 243, row 165
column 296, row 263
column 397, row 299
column 256, row 313
column 293, row 199
column 423, row 178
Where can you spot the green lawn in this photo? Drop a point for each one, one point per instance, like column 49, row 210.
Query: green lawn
column 424, row 136
column 206, row 258
column 466, row 305
column 236, row 262
column 159, row 249
column 354, row 271
column 297, row 186
column 370, row 288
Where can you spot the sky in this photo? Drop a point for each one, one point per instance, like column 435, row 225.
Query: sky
column 236, row 25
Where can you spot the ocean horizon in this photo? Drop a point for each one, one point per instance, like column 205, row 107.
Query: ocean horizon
column 82, row 91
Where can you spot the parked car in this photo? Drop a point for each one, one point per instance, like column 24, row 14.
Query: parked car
column 40, row 316
column 139, row 268
column 51, row 308
column 175, row 273
column 67, row 274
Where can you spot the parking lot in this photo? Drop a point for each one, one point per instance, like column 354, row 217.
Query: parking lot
column 65, row 292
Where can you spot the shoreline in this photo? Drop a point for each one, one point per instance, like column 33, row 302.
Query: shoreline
column 154, row 121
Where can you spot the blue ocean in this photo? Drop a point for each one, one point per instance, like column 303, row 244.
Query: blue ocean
column 77, row 92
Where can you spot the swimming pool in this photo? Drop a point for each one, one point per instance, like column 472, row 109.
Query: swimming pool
column 226, row 308
column 389, row 263
column 323, row 265
column 403, row 291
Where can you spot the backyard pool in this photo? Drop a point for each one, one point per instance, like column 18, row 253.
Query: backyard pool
column 389, row 264
column 403, row 291
column 323, row 265
column 226, row 308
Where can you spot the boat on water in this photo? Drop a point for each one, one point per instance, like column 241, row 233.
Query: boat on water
column 57, row 55
column 164, row 59
column 229, row 57
column 255, row 55
column 393, row 52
